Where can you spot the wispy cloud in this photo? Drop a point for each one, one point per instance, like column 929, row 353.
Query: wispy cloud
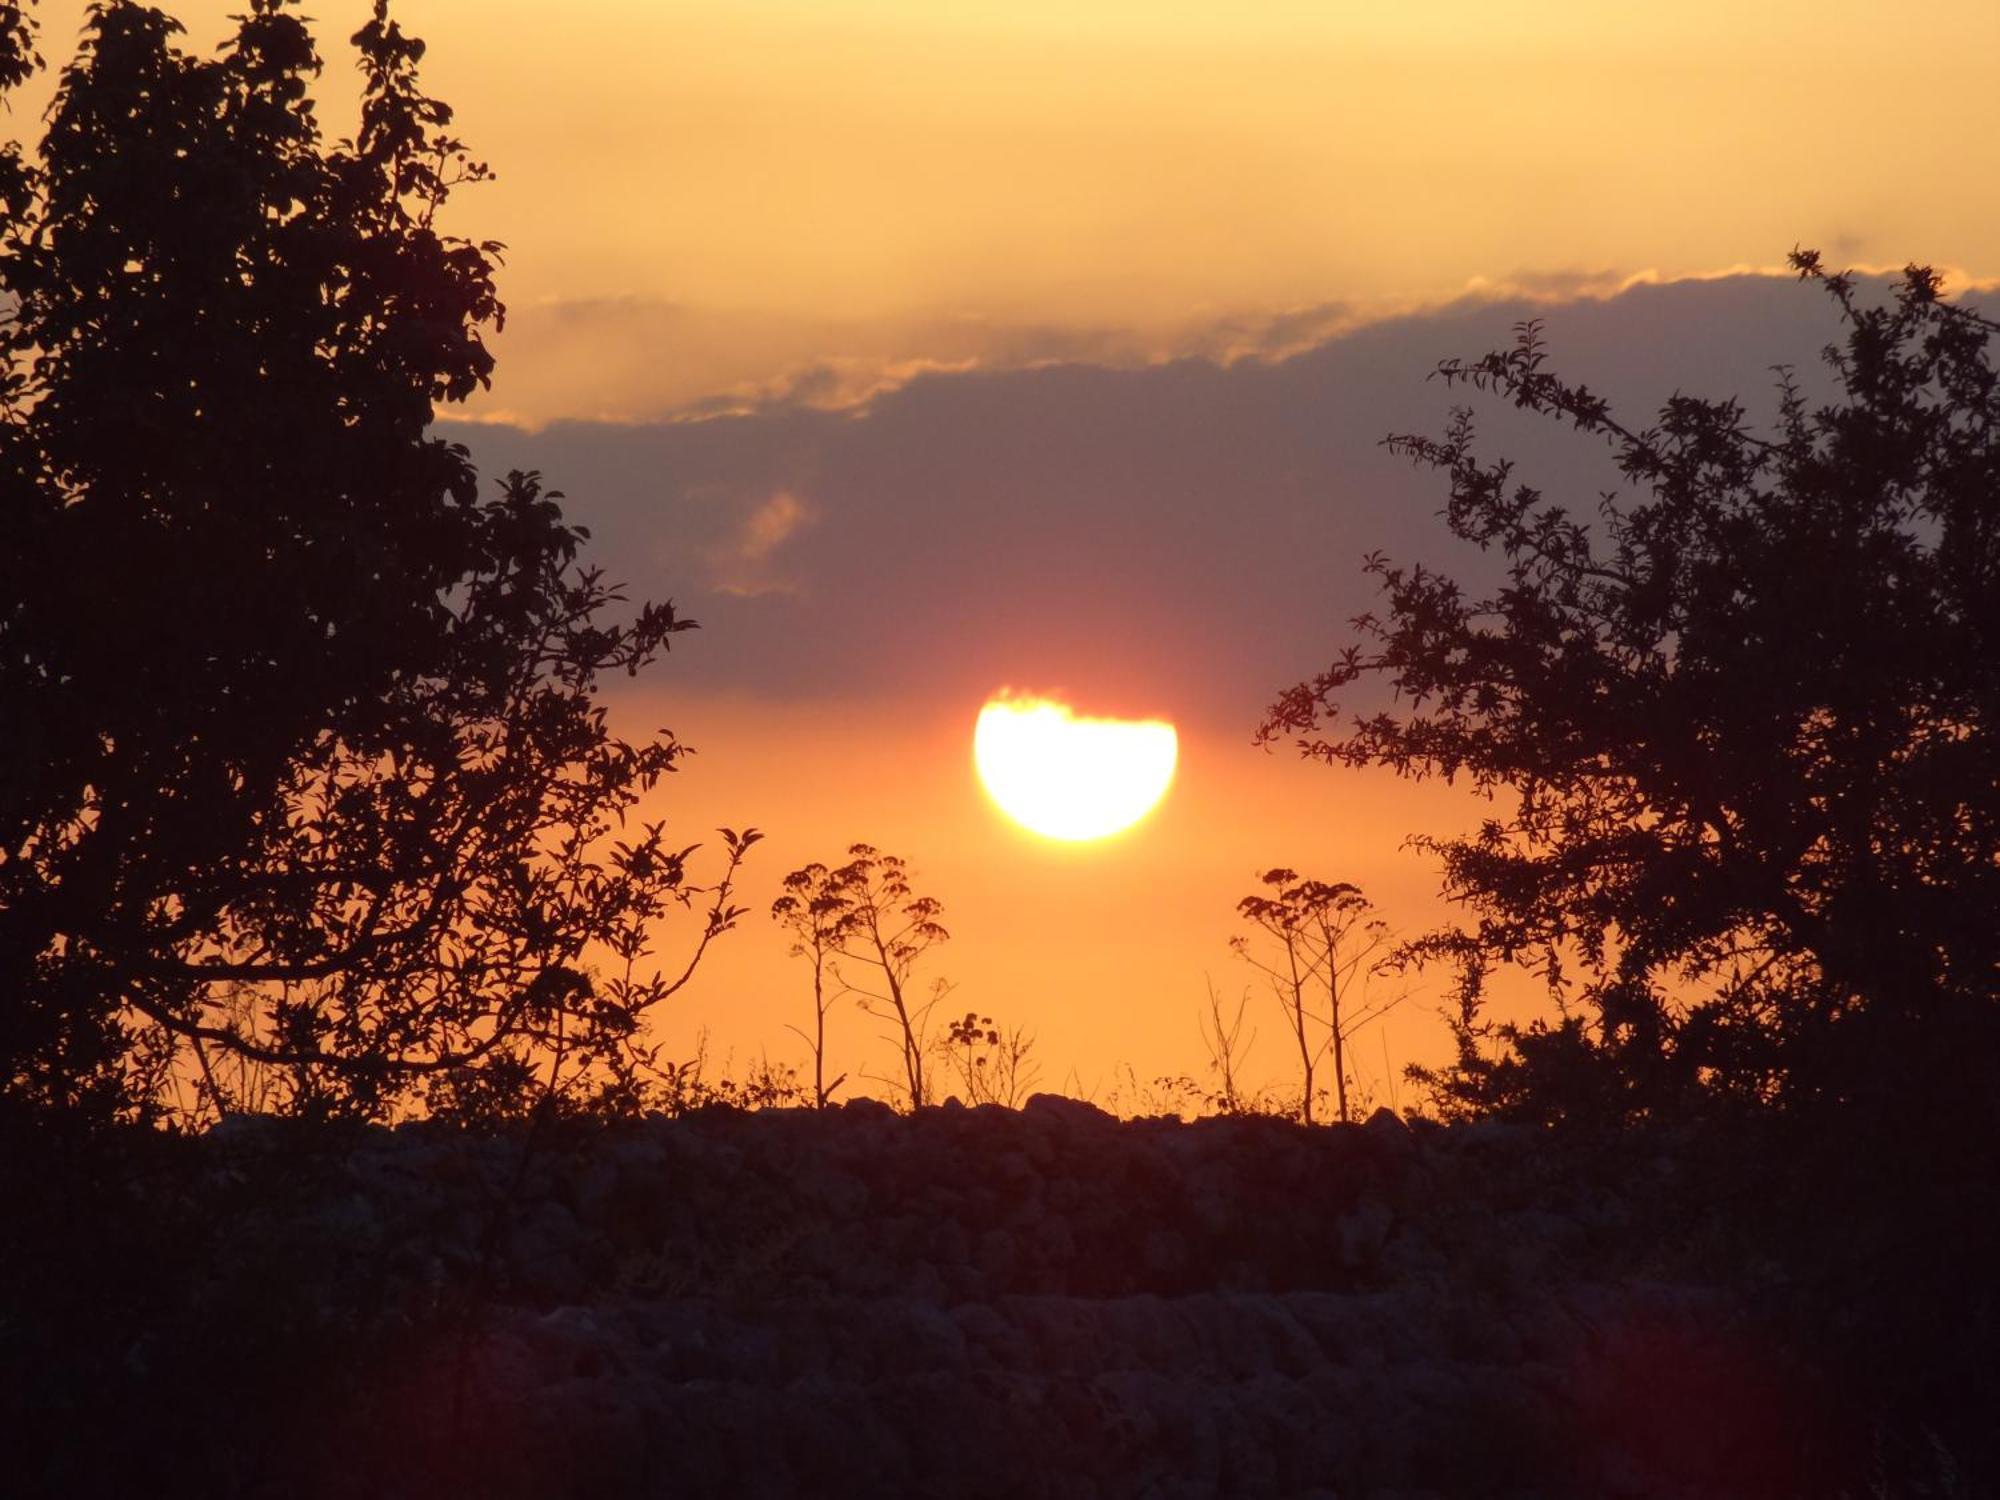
column 634, row 360
column 746, row 566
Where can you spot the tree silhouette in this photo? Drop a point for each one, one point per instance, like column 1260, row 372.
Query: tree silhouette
column 1744, row 729
column 1326, row 939
column 293, row 713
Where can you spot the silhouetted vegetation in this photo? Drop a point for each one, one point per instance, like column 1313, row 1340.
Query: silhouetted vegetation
column 815, row 911
column 1223, row 1040
column 1740, row 733
column 994, row 1064
column 1741, row 730
column 308, row 807
column 866, row 913
column 303, row 765
column 1325, row 943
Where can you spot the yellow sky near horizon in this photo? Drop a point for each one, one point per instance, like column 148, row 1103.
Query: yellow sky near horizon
column 701, row 198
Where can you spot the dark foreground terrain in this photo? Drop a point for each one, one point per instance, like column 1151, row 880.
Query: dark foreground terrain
column 979, row 1303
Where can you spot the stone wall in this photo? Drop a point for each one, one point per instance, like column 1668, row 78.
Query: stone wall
column 964, row 1302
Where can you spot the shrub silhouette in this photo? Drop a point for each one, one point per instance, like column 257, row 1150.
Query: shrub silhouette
column 994, row 1064
column 303, row 764
column 1745, row 725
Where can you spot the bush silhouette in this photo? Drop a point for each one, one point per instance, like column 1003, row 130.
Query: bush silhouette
column 303, row 764
column 1745, row 725
column 993, row 1064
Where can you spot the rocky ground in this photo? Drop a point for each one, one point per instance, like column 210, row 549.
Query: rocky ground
column 964, row 1302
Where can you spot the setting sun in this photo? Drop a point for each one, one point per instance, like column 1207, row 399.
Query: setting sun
column 1071, row 778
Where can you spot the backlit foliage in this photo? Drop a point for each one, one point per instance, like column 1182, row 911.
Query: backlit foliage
column 303, row 766
column 1741, row 728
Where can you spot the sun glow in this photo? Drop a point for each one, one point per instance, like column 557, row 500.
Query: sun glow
column 1071, row 778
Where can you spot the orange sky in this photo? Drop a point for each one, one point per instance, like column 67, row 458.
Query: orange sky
column 1102, row 950
column 935, row 256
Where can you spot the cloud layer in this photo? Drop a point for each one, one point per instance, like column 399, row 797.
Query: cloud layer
column 1182, row 537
